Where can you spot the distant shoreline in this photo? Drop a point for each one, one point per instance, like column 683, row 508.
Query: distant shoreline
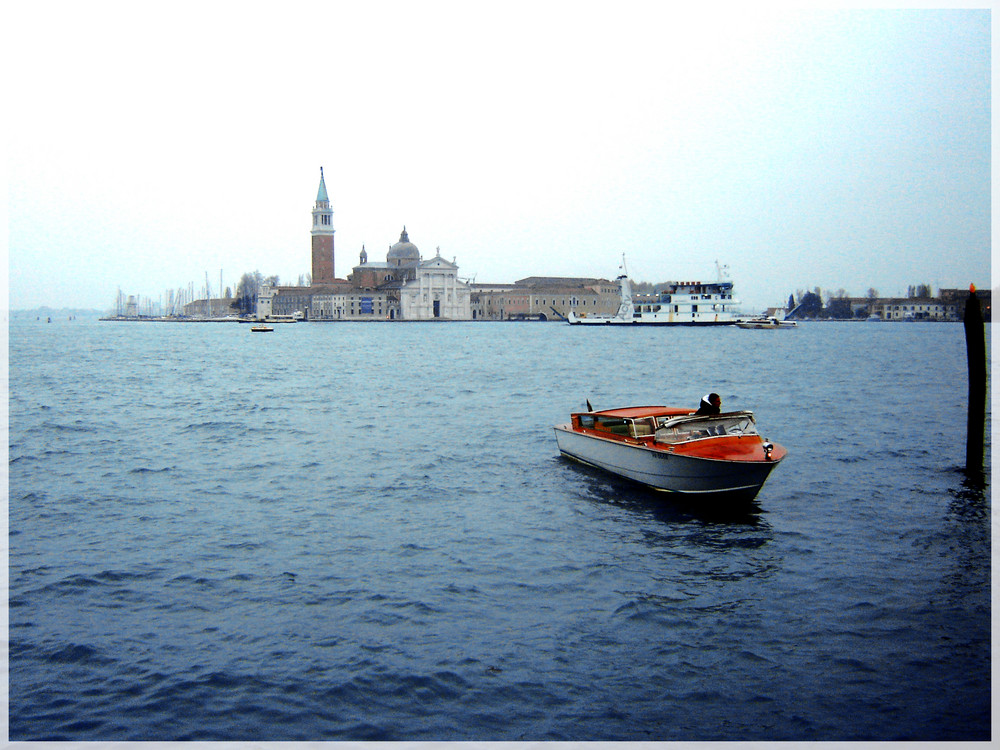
column 61, row 312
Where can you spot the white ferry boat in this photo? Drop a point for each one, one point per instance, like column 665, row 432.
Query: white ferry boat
column 679, row 303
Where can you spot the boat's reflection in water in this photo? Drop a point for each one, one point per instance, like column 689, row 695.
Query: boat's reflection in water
column 664, row 506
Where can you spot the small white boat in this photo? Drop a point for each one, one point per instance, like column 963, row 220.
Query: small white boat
column 295, row 317
column 716, row 458
column 766, row 323
column 261, row 328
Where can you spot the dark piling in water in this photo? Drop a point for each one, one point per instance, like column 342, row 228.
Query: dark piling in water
column 975, row 344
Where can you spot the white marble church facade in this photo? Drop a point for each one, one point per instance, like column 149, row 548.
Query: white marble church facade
column 436, row 293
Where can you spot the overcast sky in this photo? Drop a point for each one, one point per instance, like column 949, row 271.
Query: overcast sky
column 151, row 144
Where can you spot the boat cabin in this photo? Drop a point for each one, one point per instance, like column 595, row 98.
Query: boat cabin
column 664, row 424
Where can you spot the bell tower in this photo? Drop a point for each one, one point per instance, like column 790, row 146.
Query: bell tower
column 322, row 237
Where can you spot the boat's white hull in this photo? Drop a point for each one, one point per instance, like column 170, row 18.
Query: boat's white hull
column 765, row 324
column 666, row 471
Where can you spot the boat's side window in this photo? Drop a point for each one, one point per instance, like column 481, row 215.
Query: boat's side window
column 586, row 420
column 616, row 425
column 641, row 427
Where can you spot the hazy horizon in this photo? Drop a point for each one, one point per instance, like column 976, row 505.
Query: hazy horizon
column 151, row 146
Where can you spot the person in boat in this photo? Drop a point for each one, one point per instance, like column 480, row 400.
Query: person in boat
column 710, row 404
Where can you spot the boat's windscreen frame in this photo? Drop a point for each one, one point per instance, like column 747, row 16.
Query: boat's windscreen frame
column 684, row 429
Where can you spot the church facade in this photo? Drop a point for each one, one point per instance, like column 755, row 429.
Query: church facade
column 435, row 293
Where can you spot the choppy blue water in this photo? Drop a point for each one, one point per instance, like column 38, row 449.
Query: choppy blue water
column 364, row 532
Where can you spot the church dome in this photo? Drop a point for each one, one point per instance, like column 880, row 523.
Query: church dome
column 403, row 251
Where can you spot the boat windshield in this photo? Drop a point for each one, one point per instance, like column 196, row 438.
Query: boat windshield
column 683, row 429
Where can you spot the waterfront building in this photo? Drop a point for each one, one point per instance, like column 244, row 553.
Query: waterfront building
column 499, row 302
column 861, row 307
column 265, row 302
column 914, row 308
column 292, row 300
column 545, row 298
column 217, row 307
column 343, row 301
column 491, row 301
column 349, row 303
column 554, row 297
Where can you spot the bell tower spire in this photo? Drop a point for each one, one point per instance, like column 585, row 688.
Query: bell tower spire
column 322, row 236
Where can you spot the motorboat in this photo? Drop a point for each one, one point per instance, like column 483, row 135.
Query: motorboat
column 766, row 323
column 261, row 328
column 677, row 303
column 718, row 457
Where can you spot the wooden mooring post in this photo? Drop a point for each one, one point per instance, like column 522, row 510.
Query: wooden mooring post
column 975, row 344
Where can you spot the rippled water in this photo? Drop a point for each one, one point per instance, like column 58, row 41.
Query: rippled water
column 364, row 531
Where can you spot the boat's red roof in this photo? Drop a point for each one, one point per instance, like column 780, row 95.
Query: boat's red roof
column 634, row 412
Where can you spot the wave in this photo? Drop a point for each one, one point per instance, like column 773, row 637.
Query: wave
column 67, row 653
column 57, row 427
column 216, row 426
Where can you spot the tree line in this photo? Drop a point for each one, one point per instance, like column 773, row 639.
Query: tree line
column 837, row 304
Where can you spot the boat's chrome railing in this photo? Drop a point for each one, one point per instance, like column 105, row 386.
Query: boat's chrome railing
column 700, row 426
